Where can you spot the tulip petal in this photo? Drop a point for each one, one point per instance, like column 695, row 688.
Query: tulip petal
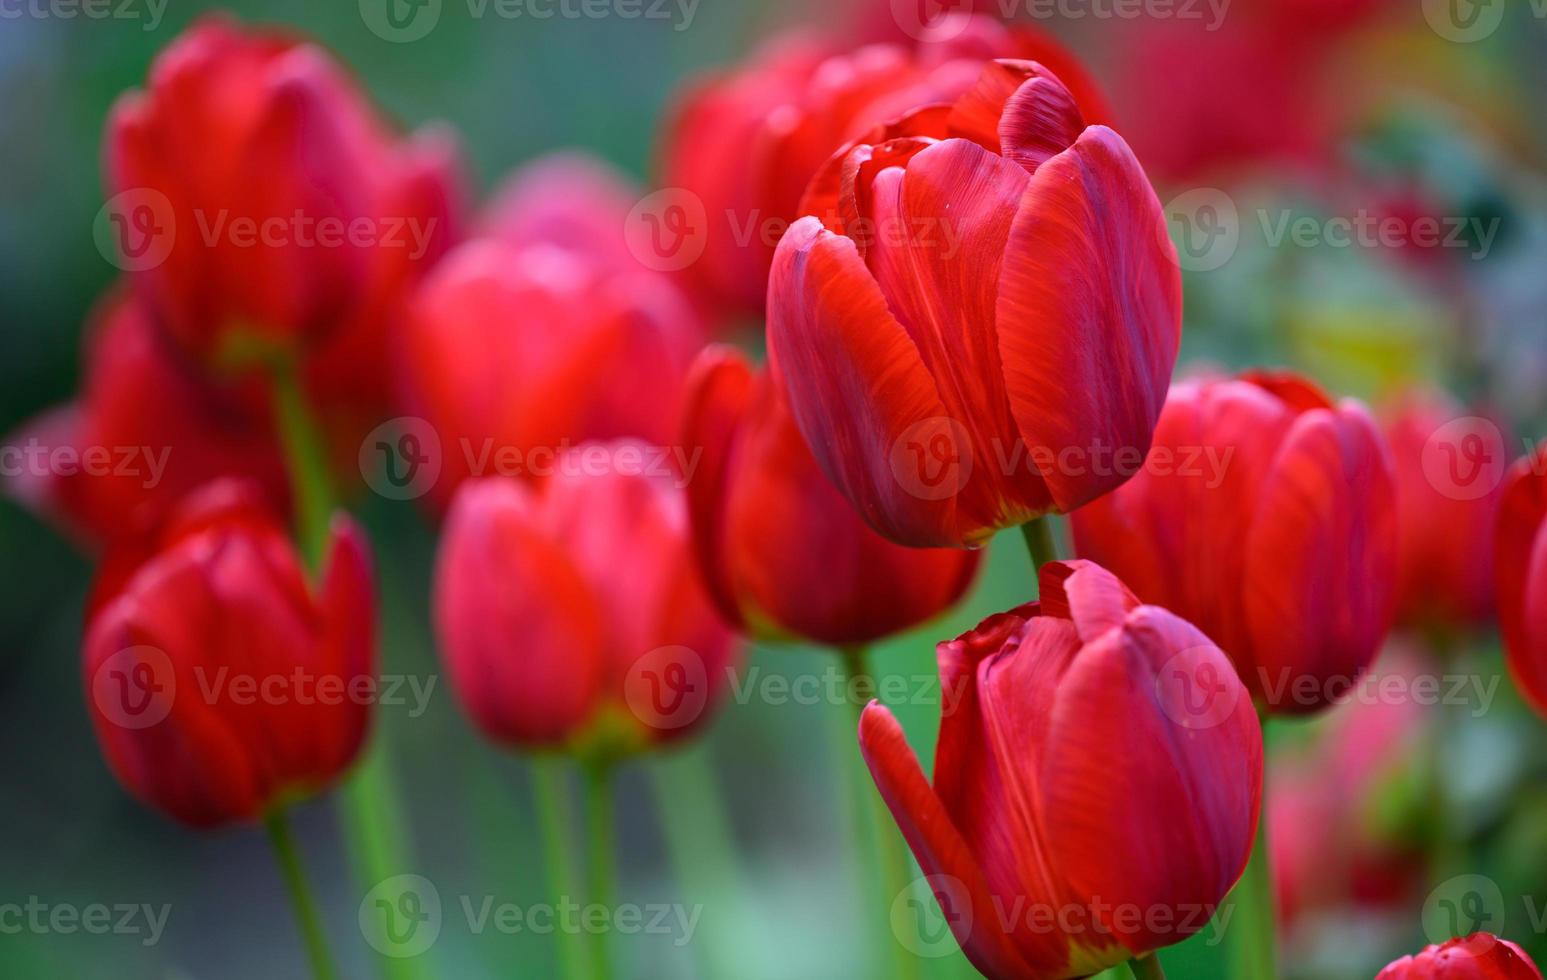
column 718, row 393
column 1521, row 563
column 1019, row 110
column 855, row 380
column 1089, row 314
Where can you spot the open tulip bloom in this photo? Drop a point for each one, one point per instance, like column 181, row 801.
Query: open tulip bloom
column 1077, row 781
column 1475, row 957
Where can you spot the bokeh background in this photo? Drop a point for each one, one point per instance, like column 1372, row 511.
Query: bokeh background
column 1285, row 109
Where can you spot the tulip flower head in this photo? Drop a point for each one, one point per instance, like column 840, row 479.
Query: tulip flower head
column 783, row 553
column 569, row 614
column 1475, row 957
column 1522, row 576
column 1266, row 515
column 259, row 203
column 977, row 320
column 1078, row 781
column 221, row 682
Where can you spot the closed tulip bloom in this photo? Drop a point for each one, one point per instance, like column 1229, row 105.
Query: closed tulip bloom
column 569, row 614
column 1078, row 781
column 221, row 682
column 145, row 430
column 1475, row 957
column 286, row 207
column 545, row 333
column 783, row 553
column 1449, row 467
column 1265, row 515
column 1522, row 576
column 981, row 327
column 745, row 142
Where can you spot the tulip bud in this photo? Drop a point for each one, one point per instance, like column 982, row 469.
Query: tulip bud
column 746, row 142
column 1266, row 515
column 260, row 203
column 783, row 554
column 220, row 683
column 1088, row 805
column 1475, row 957
column 1449, row 469
column 569, row 613
column 977, row 321
column 1521, row 542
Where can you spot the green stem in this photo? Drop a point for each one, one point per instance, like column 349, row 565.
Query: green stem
column 602, row 870
column 894, row 870
column 1255, row 947
column 1039, row 542
column 554, row 820
column 306, row 916
column 368, row 802
column 700, row 843
column 1147, row 968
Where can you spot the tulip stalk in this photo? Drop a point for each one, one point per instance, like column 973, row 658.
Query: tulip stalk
column 601, row 868
column 1039, row 542
column 306, row 916
column 1256, row 938
column 372, row 817
column 553, row 816
column 1147, row 968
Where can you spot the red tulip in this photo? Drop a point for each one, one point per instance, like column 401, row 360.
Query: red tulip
column 221, row 684
column 746, row 142
column 782, row 552
column 1084, row 809
column 144, row 431
column 984, row 328
column 1522, row 576
column 1449, row 467
column 286, row 210
column 548, row 335
column 570, row 614
column 1265, row 514
column 1476, row 957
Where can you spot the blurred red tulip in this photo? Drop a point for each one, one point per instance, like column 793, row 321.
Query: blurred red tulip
column 145, row 430
column 1265, row 514
column 745, row 142
column 1476, row 957
column 569, row 614
column 981, row 327
column 1066, row 791
column 260, row 203
column 783, row 554
column 1449, row 467
column 1522, row 576
column 220, row 683
column 545, row 334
